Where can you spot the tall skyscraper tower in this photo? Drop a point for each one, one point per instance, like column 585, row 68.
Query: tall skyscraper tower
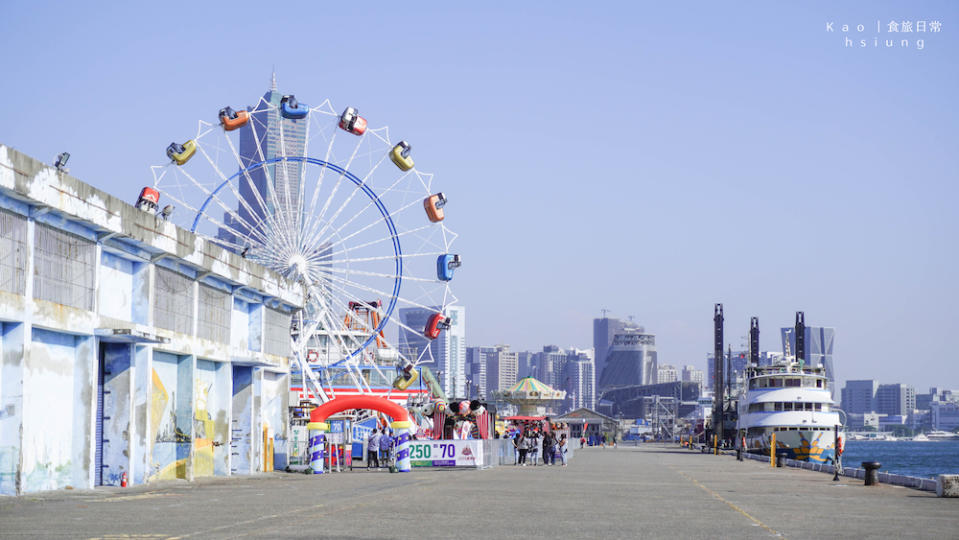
column 632, row 361
column 448, row 350
column 603, row 332
column 819, row 343
column 275, row 186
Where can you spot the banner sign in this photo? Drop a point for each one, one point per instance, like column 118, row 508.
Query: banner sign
column 446, row 453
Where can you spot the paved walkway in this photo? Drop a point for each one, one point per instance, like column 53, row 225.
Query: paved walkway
column 649, row 492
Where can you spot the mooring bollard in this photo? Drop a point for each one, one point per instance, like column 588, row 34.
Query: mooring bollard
column 872, row 472
column 781, row 459
column 739, row 454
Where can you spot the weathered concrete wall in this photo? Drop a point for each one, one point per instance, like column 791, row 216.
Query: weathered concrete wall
column 144, row 432
column 11, row 405
column 115, row 294
column 58, row 402
column 241, row 427
column 117, row 411
column 171, row 408
column 35, row 180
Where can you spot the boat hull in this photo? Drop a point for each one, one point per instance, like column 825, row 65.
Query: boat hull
column 801, row 445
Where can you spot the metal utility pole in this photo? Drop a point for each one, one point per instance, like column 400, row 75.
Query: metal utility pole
column 801, row 337
column 718, row 390
column 754, row 341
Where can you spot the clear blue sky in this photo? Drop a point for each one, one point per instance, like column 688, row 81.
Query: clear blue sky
column 647, row 159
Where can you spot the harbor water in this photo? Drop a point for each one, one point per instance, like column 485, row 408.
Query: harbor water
column 920, row 459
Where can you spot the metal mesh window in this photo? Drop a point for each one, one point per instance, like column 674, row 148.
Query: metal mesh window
column 63, row 268
column 213, row 320
column 13, row 252
column 277, row 332
column 173, row 306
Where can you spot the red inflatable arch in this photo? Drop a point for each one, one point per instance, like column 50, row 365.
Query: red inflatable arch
column 385, row 406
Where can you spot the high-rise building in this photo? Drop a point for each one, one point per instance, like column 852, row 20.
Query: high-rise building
column 819, row 344
column 448, row 351
column 631, row 361
column 476, row 362
column 691, row 374
column 604, row 330
column 666, row 373
column 524, row 365
column 276, row 186
column 895, row 399
column 580, row 380
column 549, row 365
column 734, row 368
column 859, row 397
column 501, row 368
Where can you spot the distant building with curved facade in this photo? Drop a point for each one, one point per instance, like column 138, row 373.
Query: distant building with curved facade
column 631, row 361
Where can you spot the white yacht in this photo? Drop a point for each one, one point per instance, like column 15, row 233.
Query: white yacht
column 793, row 402
column 942, row 436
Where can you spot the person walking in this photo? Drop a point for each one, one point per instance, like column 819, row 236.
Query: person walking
column 533, row 447
column 385, row 442
column 373, row 450
column 562, row 449
column 521, row 442
column 548, row 442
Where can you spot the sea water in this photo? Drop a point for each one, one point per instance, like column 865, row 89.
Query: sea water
column 921, row 459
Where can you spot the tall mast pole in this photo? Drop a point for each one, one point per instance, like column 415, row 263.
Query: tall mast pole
column 754, row 341
column 718, row 371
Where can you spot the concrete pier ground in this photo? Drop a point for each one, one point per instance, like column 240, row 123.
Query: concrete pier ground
column 653, row 491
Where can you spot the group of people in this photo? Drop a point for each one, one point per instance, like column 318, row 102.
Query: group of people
column 528, row 443
column 378, row 446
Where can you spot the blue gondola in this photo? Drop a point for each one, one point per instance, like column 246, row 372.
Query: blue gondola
column 292, row 109
column 445, row 265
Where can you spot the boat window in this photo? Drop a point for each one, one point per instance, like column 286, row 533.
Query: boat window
column 787, row 406
column 807, row 406
column 792, row 382
column 808, row 382
column 753, row 384
column 775, row 383
column 818, row 406
column 818, row 383
column 779, row 405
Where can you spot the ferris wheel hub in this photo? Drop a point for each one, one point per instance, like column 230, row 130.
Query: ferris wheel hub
column 298, row 267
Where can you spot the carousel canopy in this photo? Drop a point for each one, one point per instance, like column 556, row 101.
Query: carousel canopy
column 530, row 388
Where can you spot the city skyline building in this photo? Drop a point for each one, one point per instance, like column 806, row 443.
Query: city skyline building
column 859, row 396
column 277, row 186
column 895, row 399
column 631, row 361
column 476, row 363
column 604, row 330
column 581, row 380
column 501, row 368
column 666, row 373
column 692, row 374
column 819, row 341
column 446, row 354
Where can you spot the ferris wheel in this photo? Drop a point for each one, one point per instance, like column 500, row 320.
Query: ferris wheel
column 320, row 197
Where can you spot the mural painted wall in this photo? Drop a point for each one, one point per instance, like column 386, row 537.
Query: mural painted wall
column 170, row 418
column 117, row 382
column 203, row 421
column 241, row 428
column 275, row 396
column 58, row 399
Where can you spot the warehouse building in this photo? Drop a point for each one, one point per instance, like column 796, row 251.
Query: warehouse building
column 130, row 349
